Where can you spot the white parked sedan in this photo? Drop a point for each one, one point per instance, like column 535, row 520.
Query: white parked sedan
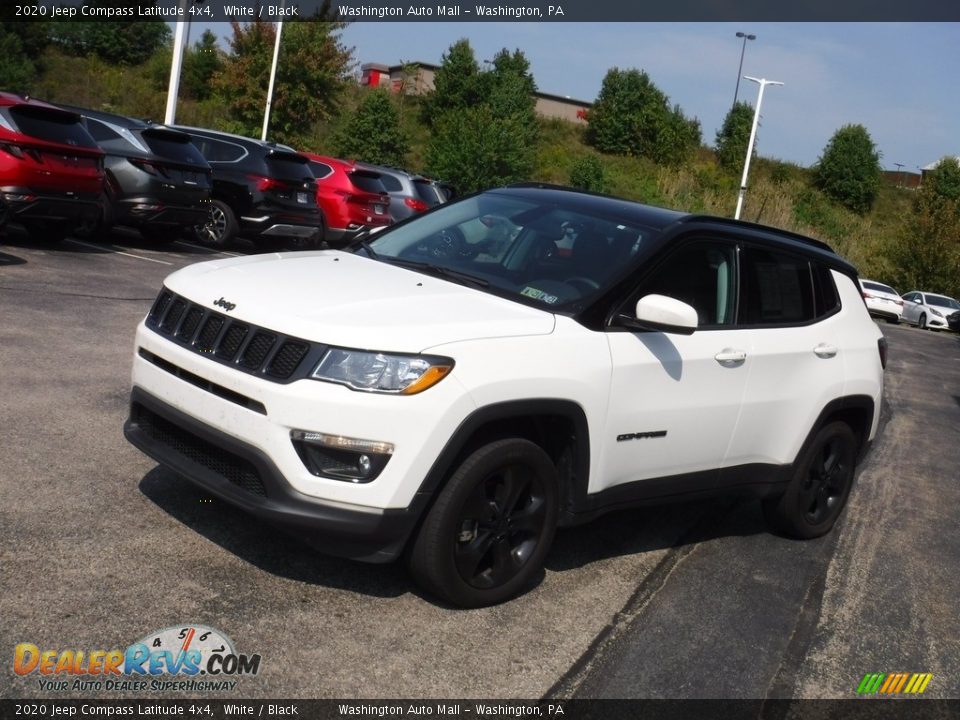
column 927, row 310
column 882, row 300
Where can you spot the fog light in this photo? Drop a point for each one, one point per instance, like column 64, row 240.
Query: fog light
column 341, row 458
column 19, row 197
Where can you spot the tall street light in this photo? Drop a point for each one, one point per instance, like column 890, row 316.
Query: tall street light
column 762, row 82
column 743, row 49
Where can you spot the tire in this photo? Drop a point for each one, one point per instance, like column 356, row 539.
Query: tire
column 499, row 506
column 221, row 227
column 922, row 322
column 893, row 320
column 95, row 227
column 821, row 483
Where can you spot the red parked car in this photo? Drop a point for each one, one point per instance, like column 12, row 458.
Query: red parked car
column 352, row 199
column 51, row 170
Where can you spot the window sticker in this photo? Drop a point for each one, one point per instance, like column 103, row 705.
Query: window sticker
column 532, row 292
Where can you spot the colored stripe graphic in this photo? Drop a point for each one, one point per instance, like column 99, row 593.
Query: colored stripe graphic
column 894, row 683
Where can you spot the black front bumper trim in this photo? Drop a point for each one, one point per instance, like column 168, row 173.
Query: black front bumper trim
column 376, row 536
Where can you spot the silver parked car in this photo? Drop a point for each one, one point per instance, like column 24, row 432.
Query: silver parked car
column 928, row 310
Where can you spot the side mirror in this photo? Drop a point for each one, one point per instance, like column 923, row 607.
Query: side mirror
column 659, row 312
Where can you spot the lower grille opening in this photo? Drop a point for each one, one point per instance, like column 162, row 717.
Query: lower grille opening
column 210, row 387
column 230, row 467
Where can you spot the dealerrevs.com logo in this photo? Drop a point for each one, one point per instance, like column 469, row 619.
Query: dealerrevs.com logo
column 185, row 658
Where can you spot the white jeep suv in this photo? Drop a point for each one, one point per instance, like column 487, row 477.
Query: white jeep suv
column 522, row 359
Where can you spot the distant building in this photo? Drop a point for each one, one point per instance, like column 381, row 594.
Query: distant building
column 420, row 80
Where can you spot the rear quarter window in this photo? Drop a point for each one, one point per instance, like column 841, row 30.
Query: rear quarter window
column 173, row 146
column 218, row 150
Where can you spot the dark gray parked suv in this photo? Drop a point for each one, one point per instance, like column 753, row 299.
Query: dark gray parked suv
column 409, row 193
column 156, row 179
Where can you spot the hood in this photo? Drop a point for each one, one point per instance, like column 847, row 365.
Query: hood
column 348, row 300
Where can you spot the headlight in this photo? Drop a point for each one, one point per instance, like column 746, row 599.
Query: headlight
column 382, row 372
column 936, row 312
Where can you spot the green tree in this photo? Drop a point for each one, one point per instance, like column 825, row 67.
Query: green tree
column 456, row 84
column 849, row 169
column 121, row 42
column 943, row 182
column 17, row 71
column 928, row 255
column 313, row 70
column 733, row 136
column 485, row 129
column 633, row 117
column 200, row 64
column 588, row 173
column 372, row 133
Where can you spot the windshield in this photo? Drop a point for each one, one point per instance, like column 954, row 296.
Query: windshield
column 541, row 253
column 944, row 302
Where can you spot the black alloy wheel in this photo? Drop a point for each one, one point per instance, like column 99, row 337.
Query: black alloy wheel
column 821, row 483
column 486, row 536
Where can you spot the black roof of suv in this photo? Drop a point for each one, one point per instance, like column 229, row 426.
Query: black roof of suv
column 261, row 191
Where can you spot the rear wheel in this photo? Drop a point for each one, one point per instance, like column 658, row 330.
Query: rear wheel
column 92, row 227
column 820, row 485
column 221, row 226
column 488, row 533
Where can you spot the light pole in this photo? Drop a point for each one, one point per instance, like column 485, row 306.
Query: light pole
column 743, row 49
column 273, row 74
column 762, row 82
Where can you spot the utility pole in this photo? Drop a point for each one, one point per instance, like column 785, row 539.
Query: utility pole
column 762, row 82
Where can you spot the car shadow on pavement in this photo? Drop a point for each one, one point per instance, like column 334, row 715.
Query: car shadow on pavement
column 6, row 259
column 263, row 545
column 648, row 529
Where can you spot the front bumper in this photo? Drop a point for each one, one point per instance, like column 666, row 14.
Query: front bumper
column 243, row 476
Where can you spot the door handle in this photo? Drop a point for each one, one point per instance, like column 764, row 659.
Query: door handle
column 728, row 357
column 825, row 351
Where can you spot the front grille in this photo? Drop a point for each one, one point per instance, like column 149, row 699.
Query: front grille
column 254, row 350
column 286, row 360
column 224, row 464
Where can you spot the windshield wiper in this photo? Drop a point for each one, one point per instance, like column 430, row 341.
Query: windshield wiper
column 369, row 249
column 441, row 271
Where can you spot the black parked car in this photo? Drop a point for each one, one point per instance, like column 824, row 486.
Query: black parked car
column 156, row 179
column 261, row 191
column 953, row 321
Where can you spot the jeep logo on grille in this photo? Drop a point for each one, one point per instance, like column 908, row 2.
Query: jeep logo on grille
column 228, row 306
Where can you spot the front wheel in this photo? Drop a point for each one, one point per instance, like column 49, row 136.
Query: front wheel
column 922, row 322
column 487, row 535
column 821, row 483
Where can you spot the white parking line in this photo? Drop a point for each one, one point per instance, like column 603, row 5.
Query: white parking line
column 119, row 252
column 209, row 250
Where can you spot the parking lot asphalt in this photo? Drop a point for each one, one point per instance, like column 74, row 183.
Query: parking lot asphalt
column 100, row 547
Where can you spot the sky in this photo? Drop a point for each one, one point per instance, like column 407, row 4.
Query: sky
column 900, row 80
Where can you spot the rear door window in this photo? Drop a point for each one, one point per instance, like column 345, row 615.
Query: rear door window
column 218, row 150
